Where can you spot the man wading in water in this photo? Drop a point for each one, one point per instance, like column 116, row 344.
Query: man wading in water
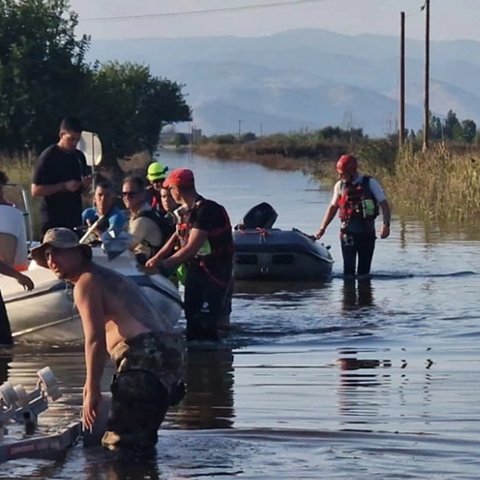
column 118, row 319
column 207, row 251
column 358, row 199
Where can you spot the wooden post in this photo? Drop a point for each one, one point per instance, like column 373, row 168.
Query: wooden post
column 401, row 131
column 426, row 110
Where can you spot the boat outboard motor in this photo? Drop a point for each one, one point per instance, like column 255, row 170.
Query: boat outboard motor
column 262, row 215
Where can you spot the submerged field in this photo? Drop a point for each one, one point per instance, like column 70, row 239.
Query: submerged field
column 440, row 185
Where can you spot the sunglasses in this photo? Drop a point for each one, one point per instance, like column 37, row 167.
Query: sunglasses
column 129, row 194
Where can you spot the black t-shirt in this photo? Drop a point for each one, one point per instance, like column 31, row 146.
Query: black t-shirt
column 211, row 217
column 54, row 165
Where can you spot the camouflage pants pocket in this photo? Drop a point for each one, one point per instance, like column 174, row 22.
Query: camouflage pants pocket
column 139, row 404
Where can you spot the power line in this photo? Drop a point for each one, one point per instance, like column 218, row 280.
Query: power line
column 201, row 12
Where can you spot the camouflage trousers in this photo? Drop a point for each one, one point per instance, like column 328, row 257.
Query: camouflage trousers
column 149, row 369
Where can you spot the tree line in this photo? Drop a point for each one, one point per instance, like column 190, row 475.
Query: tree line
column 450, row 129
column 44, row 76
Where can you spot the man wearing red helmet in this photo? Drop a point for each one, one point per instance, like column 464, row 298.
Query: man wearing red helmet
column 205, row 236
column 358, row 199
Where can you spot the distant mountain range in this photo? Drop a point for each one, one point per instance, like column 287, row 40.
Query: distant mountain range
column 306, row 79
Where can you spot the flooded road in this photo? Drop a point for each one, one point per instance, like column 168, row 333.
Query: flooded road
column 378, row 379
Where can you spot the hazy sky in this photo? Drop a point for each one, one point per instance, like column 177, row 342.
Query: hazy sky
column 450, row 19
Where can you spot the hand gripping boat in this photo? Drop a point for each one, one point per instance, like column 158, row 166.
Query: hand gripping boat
column 272, row 254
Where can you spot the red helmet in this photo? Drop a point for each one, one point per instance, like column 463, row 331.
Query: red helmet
column 347, row 164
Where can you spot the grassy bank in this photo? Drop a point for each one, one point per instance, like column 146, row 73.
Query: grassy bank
column 18, row 168
column 19, row 171
column 440, row 185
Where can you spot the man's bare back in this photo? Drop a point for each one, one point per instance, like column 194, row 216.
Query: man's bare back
column 126, row 311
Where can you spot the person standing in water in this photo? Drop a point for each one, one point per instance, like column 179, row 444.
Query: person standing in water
column 358, row 199
column 118, row 319
column 205, row 236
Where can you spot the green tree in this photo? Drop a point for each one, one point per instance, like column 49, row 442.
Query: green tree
column 44, row 77
column 337, row 134
column 436, row 128
column 469, row 129
column 452, row 130
column 227, row 139
column 248, row 137
column 42, row 70
column 181, row 140
column 129, row 107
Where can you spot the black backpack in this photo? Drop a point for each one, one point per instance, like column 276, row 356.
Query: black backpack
column 166, row 225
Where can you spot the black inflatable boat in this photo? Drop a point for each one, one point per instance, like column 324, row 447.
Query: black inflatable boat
column 266, row 253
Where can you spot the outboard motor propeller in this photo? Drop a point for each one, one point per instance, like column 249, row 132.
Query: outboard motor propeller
column 22, row 407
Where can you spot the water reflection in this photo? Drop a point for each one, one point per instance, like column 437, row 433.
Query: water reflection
column 362, row 387
column 357, row 293
column 268, row 288
column 107, row 466
column 208, row 403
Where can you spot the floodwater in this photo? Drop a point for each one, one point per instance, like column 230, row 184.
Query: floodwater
column 371, row 380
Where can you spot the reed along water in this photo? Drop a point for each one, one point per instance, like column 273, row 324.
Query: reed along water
column 366, row 380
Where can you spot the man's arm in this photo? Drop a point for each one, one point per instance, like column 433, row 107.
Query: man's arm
column 46, row 190
column 88, row 295
column 379, row 195
column 167, row 248
column 44, row 182
column 23, row 280
column 386, row 213
column 116, row 222
column 196, row 238
column 329, row 215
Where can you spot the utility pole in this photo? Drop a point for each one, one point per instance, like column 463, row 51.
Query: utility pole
column 426, row 111
column 401, row 132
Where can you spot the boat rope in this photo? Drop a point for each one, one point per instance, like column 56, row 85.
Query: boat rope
column 262, row 232
column 257, row 231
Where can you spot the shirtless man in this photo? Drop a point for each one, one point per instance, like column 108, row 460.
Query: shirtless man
column 117, row 318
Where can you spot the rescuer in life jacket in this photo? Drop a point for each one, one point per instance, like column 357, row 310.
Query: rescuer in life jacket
column 358, row 199
column 204, row 233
